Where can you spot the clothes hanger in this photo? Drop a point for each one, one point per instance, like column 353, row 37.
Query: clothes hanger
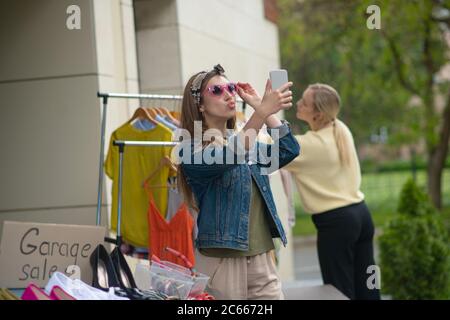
column 158, row 117
column 165, row 161
column 152, row 112
column 164, row 111
column 167, row 113
column 172, row 116
column 176, row 115
column 158, row 111
column 142, row 113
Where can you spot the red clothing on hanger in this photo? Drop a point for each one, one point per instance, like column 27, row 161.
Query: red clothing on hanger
column 175, row 234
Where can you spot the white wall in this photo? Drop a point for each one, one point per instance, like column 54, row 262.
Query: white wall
column 115, row 44
column 158, row 45
column 232, row 33
column 50, row 114
column 48, row 118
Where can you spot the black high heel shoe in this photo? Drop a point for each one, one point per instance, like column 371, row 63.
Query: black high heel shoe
column 104, row 274
column 125, row 277
column 128, row 287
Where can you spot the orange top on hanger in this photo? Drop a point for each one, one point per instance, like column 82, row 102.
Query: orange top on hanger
column 176, row 234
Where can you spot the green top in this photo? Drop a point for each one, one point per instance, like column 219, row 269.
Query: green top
column 260, row 238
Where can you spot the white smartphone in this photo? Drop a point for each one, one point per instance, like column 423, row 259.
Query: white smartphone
column 278, row 78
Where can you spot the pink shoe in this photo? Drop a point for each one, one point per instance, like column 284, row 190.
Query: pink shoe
column 33, row 292
column 58, row 293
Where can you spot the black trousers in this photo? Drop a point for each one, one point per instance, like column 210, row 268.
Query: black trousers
column 345, row 248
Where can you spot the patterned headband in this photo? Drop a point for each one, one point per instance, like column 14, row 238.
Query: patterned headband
column 198, row 81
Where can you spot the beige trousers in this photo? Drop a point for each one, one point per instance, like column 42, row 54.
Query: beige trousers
column 245, row 278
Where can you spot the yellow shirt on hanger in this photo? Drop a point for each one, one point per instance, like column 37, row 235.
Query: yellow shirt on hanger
column 138, row 164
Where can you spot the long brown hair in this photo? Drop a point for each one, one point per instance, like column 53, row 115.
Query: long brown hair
column 328, row 101
column 190, row 112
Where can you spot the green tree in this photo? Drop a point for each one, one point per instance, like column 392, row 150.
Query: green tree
column 388, row 77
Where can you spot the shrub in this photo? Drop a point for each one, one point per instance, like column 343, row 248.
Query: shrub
column 414, row 202
column 414, row 250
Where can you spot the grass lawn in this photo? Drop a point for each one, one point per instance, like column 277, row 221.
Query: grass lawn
column 382, row 191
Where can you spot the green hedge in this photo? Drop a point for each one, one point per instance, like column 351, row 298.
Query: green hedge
column 414, row 250
column 371, row 166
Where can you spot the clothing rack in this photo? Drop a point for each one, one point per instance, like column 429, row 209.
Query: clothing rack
column 121, row 145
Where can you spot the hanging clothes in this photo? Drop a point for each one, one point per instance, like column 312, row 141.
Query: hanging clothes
column 138, row 163
column 165, row 122
column 143, row 124
column 175, row 234
column 286, row 179
column 174, row 121
column 174, row 202
column 176, row 114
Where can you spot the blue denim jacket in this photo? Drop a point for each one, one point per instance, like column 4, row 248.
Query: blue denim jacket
column 223, row 191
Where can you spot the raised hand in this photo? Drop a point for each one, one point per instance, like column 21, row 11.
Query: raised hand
column 248, row 94
column 275, row 100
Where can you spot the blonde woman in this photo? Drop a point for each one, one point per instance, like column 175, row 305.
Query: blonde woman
column 328, row 179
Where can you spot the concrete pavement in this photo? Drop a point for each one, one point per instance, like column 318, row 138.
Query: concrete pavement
column 308, row 282
column 306, row 261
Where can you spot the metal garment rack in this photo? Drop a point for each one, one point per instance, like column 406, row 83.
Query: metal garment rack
column 121, row 145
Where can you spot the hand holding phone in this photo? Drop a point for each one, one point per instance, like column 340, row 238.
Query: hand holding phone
column 274, row 101
column 278, row 78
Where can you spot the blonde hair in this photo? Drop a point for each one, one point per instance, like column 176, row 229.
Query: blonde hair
column 190, row 112
column 328, row 102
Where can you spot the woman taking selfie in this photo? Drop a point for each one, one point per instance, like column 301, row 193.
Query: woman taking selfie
column 237, row 218
column 328, row 179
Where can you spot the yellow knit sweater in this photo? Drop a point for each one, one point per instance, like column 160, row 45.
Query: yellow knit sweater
column 322, row 182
